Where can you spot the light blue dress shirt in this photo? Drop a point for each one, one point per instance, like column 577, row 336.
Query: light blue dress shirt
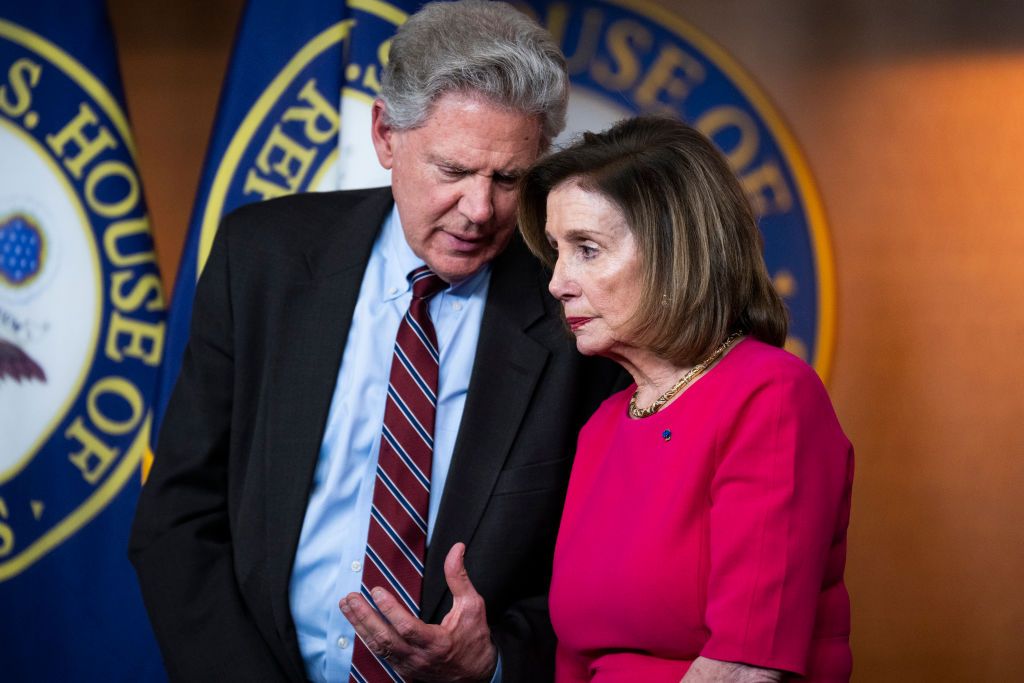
column 328, row 562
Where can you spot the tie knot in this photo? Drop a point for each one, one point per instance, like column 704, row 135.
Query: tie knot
column 425, row 283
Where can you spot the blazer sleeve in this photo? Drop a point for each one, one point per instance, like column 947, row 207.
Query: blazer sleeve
column 526, row 641
column 524, row 634
column 181, row 542
column 777, row 507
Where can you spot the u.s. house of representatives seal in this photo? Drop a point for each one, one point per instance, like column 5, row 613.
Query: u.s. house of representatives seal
column 81, row 309
column 629, row 57
column 625, row 57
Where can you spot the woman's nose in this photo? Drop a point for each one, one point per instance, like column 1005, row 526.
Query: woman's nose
column 560, row 285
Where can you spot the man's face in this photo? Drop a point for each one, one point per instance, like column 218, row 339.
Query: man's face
column 454, row 179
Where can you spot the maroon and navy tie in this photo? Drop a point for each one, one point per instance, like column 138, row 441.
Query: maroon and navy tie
column 397, row 541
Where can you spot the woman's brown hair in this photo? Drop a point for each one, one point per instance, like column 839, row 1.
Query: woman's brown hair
column 703, row 272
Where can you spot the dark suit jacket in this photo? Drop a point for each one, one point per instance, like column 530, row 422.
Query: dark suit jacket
column 219, row 519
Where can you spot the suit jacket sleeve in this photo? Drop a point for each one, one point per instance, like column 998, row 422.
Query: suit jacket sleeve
column 181, row 543
column 526, row 641
column 530, row 494
column 523, row 632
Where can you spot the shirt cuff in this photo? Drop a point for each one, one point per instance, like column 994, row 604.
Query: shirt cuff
column 496, row 678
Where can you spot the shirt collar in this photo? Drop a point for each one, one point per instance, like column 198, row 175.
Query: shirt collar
column 400, row 260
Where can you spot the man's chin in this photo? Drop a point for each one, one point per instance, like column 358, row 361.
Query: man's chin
column 455, row 267
column 458, row 264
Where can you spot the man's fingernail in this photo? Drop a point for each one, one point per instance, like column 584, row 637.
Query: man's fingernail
column 344, row 606
column 378, row 594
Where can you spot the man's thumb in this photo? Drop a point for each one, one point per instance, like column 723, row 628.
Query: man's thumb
column 455, row 572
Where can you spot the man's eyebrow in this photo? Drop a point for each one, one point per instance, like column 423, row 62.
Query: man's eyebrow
column 512, row 173
column 447, row 163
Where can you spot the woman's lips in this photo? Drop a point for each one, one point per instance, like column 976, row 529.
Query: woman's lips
column 577, row 323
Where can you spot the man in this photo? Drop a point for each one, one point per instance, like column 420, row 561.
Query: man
column 350, row 427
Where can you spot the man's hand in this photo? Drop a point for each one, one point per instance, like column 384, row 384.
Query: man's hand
column 458, row 649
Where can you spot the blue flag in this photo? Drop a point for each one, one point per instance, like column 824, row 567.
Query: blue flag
column 81, row 339
column 298, row 70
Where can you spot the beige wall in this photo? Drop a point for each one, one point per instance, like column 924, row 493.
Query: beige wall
column 912, row 117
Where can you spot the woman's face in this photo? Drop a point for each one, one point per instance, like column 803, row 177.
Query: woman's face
column 597, row 274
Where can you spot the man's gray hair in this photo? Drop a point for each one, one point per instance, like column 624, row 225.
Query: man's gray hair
column 477, row 47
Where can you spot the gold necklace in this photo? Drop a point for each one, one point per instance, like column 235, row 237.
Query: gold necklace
column 678, row 386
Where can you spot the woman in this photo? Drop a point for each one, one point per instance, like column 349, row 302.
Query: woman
column 704, row 532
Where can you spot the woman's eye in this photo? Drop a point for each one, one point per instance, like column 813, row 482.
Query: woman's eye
column 587, row 251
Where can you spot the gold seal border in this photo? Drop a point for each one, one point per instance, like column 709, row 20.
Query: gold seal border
column 250, row 124
column 59, row 415
column 100, row 498
column 824, row 263
column 84, row 513
column 336, row 33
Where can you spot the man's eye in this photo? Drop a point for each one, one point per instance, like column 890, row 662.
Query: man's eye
column 505, row 180
column 453, row 172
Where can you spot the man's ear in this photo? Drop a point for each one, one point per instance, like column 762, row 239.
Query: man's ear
column 382, row 134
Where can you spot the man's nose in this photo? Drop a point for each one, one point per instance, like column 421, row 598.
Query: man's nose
column 477, row 202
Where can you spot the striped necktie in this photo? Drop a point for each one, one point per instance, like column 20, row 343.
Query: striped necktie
column 397, row 542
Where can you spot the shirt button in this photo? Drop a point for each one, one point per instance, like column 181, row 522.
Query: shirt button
column 457, row 305
column 356, row 565
column 343, row 642
column 393, row 290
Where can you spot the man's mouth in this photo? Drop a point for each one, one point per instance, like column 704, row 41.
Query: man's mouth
column 464, row 243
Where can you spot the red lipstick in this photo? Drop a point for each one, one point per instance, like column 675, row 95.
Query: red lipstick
column 577, row 323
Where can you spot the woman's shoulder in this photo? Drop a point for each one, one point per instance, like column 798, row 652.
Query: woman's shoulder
column 759, row 374
column 754, row 361
column 775, row 380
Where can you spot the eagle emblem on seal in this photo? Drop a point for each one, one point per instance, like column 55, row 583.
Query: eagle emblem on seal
column 18, row 365
column 21, row 256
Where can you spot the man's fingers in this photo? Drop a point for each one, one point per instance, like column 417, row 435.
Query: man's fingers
column 425, row 651
column 406, row 625
column 371, row 627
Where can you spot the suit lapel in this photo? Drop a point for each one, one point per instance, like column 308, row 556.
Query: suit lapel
column 507, row 366
column 302, row 386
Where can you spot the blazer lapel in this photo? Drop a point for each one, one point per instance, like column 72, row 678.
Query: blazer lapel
column 302, row 386
column 506, row 369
